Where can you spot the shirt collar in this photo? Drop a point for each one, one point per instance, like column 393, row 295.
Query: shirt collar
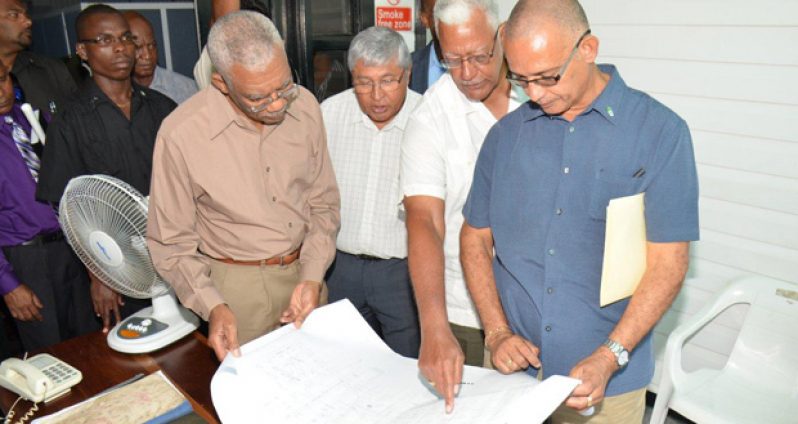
column 94, row 95
column 358, row 116
column 157, row 76
column 23, row 60
column 223, row 113
column 435, row 69
column 606, row 104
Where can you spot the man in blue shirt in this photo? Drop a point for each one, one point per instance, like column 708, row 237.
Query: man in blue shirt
column 541, row 187
column 427, row 68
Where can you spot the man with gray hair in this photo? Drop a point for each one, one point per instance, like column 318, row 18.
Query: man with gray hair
column 442, row 139
column 365, row 125
column 244, row 206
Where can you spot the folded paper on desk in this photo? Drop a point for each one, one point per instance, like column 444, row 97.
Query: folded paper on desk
column 337, row 370
column 152, row 400
column 624, row 248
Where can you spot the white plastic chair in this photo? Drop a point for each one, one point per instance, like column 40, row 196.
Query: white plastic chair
column 759, row 383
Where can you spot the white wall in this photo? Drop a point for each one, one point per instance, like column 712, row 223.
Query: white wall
column 730, row 69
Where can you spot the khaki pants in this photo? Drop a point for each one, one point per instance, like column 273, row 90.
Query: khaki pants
column 257, row 295
column 472, row 341
column 626, row 408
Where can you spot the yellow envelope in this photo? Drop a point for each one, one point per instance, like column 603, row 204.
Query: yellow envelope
column 624, row 248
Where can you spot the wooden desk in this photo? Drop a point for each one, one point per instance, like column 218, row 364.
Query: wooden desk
column 189, row 363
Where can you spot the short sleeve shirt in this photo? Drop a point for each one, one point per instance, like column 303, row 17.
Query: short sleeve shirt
column 439, row 150
column 542, row 184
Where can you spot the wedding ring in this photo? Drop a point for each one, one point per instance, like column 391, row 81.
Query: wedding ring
column 589, row 401
column 509, row 362
column 431, row 383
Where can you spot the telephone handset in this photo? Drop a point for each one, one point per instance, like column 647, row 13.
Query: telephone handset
column 42, row 377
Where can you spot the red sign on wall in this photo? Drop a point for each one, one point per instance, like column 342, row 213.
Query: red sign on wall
column 396, row 18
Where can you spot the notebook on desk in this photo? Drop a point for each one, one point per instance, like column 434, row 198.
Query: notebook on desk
column 153, row 400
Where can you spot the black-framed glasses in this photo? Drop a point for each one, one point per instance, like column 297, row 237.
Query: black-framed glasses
column 387, row 84
column 289, row 94
column 479, row 59
column 105, row 40
column 546, row 81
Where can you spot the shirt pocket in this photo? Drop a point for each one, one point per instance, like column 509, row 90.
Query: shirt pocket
column 606, row 187
column 101, row 157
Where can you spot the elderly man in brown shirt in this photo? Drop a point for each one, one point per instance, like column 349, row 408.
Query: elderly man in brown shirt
column 244, row 207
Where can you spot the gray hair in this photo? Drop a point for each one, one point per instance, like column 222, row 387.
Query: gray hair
column 457, row 12
column 244, row 37
column 377, row 46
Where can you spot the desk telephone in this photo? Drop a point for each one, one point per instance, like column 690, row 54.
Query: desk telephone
column 42, row 377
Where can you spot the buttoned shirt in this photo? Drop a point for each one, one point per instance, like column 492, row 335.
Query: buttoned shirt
column 223, row 188
column 91, row 135
column 176, row 86
column 366, row 163
column 439, row 150
column 542, row 184
column 21, row 216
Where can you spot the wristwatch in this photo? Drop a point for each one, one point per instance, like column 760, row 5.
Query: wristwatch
column 620, row 352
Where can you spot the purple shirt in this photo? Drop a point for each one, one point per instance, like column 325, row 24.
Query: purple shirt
column 22, row 217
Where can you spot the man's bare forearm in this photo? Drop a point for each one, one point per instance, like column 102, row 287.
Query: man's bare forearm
column 476, row 253
column 661, row 282
column 425, row 236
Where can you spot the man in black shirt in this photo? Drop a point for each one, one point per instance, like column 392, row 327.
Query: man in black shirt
column 107, row 127
column 45, row 82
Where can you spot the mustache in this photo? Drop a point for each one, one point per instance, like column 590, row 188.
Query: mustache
column 470, row 83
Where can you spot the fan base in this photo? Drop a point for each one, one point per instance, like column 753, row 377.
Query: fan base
column 143, row 332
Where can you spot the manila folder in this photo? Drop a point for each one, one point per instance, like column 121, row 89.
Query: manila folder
column 624, row 248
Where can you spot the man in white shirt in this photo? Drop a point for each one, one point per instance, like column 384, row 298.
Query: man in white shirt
column 365, row 125
column 443, row 137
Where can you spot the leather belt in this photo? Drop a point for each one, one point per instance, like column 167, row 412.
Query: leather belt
column 277, row 260
column 42, row 239
column 367, row 257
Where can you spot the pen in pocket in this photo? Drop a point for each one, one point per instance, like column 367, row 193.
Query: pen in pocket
column 639, row 173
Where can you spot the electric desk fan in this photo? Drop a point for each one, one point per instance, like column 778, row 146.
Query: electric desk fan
column 104, row 220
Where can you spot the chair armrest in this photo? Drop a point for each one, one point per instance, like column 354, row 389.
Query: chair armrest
column 672, row 359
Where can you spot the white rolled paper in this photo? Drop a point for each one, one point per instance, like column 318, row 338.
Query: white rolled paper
column 33, row 119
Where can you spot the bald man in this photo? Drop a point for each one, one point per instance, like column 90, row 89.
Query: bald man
column 539, row 197
column 146, row 71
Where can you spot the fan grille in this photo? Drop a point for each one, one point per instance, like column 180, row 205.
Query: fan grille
column 105, row 221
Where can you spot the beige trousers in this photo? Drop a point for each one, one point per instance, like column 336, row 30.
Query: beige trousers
column 257, row 295
column 472, row 342
column 626, row 408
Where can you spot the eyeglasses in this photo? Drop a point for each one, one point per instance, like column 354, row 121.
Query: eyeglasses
column 479, row 59
column 289, row 94
column 385, row 85
column 546, row 81
column 105, row 40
